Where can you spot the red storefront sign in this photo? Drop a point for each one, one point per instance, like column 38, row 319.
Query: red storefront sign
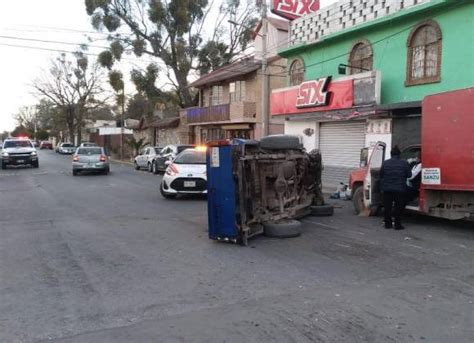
column 313, row 96
column 292, row 9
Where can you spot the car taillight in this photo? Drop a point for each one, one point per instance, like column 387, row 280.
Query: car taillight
column 103, row 158
column 172, row 170
column 75, row 158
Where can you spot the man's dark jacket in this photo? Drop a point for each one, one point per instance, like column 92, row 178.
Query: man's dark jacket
column 394, row 174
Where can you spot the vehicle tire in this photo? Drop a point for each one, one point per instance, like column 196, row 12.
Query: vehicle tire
column 282, row 229
column 106, row 171
column 165, row 194
column 322, row 210
column 136, row 165
column 75, row 172
column 35, row 164
column 148, row 167
column 154, row 168
column 358, row 200
column 276, row 142
column 4, row 166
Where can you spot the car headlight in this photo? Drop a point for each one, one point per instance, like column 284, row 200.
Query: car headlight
column 5, row 154
column 33, row 153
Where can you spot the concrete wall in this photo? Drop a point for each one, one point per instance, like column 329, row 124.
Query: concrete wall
column 310, row 142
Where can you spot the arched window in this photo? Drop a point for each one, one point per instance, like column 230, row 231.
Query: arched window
column 424, row 54
column 296, row 72
column 361, row 57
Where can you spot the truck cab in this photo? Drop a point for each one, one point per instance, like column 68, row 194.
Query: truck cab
column 447, row 155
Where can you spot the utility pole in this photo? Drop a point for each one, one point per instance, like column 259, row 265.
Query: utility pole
column 123, row 121
column 265, row 83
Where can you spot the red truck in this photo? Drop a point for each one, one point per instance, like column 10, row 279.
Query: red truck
column 447, row 155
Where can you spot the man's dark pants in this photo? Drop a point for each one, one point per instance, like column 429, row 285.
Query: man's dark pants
column 390, row 198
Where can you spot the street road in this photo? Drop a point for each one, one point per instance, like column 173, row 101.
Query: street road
column 106, row 259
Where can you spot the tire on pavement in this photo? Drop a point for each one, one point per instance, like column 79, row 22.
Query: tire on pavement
column 74, row 172
column 4, row 165
column 35, row 164
column 154, row 168
column 136, row 165
column 148, row 167
column 282, row 229
column 358, row 200
column 322, row 210
column 276, row 142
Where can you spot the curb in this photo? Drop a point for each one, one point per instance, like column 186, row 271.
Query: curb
column 121, row 162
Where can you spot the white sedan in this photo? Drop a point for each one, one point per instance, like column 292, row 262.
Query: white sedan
column 186, row 174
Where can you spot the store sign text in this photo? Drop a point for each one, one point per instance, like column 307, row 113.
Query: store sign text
column 313, row 93
column 292, row 9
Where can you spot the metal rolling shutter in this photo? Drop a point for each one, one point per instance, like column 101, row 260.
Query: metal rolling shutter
column 340, row 145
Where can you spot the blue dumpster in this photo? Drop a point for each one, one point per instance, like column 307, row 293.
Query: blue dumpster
column 221, row 193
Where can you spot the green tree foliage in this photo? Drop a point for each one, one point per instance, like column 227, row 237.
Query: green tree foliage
column 174, row 32
column 135, row 144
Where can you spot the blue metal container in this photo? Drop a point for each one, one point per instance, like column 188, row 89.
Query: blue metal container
column 221, row 203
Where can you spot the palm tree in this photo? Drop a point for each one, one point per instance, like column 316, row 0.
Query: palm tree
column 135, row 144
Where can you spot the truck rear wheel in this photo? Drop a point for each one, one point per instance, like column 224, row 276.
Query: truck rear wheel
column 282, row 229
column 280, row 142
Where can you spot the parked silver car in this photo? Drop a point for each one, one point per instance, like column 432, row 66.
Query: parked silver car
column 147, row 157
column 92, row 159
column 65, row 148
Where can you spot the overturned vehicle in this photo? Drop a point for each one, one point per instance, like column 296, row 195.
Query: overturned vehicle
column 262, row 186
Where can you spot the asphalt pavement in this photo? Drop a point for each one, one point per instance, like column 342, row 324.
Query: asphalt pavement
column 98, row 258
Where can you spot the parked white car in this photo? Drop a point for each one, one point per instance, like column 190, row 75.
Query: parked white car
column 146, row 158
column 186, row 174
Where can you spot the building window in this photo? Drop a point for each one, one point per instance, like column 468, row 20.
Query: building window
column 361, row 57
column 296, row 72
column 424, row 54
column 217, row 95
column 237, row 91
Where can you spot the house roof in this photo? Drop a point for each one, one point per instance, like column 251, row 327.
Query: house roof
column 165, row 123
column 238, row 68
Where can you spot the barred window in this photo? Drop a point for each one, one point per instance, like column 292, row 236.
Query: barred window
column 296, row 72
column 424, row 54
column 361, row 57
column 237, row 91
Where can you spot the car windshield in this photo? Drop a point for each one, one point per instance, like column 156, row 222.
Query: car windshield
column 89, row 151
column 67, row 145
column 18, row 144
column 191, row 157
column 184, row 147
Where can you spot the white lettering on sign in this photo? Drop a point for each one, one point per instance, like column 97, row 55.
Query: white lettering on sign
column 313, row 93
column 292, row 9
column 431, row 176
column 215, row 163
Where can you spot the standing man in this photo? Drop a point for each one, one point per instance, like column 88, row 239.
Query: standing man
column 394, row 174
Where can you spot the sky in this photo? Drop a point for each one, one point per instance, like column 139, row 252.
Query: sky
column 52, row 20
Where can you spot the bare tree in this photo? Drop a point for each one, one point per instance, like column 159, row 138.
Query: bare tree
column 74, row 87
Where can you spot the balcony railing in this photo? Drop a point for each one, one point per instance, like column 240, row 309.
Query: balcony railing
column 208, row 114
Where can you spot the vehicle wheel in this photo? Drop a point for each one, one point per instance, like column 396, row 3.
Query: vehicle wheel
column 322, row 210
column 154, row 168
column 106, row 172
column 75, row 172
column 358, row 200
column 35, row 164
column 149, row 167
column 165, row 194
column 280, row 142
column 136, row 165
column 4, row 166
column 282, row 229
